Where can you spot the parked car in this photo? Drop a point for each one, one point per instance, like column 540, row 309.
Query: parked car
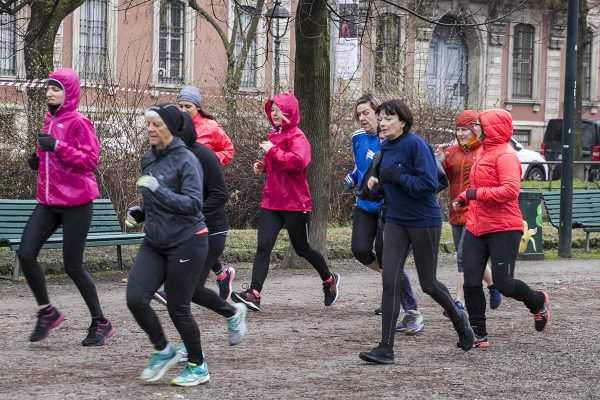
column 534, row 168
column 590, row 145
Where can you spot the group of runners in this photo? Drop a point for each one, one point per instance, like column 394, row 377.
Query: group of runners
column 183, row 193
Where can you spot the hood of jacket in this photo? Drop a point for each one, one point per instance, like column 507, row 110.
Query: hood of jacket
column 288, row 104
column 71, row 87
column 497, row 126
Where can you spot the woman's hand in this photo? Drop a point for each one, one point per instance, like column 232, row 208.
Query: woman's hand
column 372, row 182
column 258, row 167
column 266, row 145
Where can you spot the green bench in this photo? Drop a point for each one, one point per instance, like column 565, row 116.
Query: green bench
column 105, row 229
column 586, row 211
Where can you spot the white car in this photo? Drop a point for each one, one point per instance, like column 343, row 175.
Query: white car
column 532, row 163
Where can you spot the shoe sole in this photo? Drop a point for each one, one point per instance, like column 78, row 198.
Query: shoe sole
column 230, row 285
column 108, row 336
column 173, row 361
column 238, row 299
column 338, row 279
column 55, row 324
column 483, row 345
column 547, row 303
column 160, row 299
column 411, row 332
column 368, row 358
column 200, row 381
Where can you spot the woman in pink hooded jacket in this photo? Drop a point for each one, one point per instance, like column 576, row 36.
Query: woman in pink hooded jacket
column 285, row 200
column 66, row 158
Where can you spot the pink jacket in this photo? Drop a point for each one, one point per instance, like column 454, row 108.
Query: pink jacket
column 496, row 176
column 66, row 175
column 212, row 135
column 286, row 162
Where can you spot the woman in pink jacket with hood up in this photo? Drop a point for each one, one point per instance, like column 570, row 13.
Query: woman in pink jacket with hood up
column 285, row 200
column 66, row 158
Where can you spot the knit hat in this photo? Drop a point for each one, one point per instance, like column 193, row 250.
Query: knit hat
column 466, row 119
column 54, row 82
column 171, row 115
column 191, row 94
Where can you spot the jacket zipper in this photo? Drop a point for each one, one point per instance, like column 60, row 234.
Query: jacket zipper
column 47, row 165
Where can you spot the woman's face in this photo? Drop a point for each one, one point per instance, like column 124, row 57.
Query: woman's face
column 55, row 95
column 188, row 107
column 478, row 130
column 159, row 135
column 463, row 135
column 275, row 114
column 367, row 117
column 391, row 126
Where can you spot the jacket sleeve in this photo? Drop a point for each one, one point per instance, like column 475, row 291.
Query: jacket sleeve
column 215, row 189
column 422, row 180
column 509, row 179
column 223, row 146
column 296, row 159
column 85, row 154
column 189, row 201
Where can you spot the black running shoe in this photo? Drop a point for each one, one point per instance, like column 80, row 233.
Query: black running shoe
column 379, row 355
column 466, row 336
column 331, row 290
column 378, row 310
column 225, row 283
column 248, row 298
column 98, row 333
column 542, row 317
column 46, row 321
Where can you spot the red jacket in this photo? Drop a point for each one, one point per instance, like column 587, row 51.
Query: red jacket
column 287, row 161
column 457, row 164
column 496, row 176
column 66, row 175
column 212, row 135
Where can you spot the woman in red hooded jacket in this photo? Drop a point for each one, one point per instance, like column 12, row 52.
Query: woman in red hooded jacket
column 494, row 224
column 66, row 158
column 285, row 200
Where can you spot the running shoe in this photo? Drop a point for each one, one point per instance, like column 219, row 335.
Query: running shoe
column 161, row 297
column 98, row 333
column 236, row 324
column 46, row 321
column 480, row 342
column 542, row 317
column 495, row 298
column 457, row 304
column 159, row 364
column 249, row 298
column 183, row 354
column 412, row 323
column 378, row 310
column 379, row 355
column 466, row 336
column 225, row 283
column 331, row 290
column 192, row 375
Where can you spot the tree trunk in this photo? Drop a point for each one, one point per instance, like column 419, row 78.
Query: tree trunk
column 311, row 86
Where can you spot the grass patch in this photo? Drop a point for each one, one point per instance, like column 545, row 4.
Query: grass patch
column 541, row 186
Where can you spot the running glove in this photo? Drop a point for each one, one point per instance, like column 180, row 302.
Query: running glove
column 46, row 142
column 471, row 194
column 135, row 215
column 148, row 181
column 34, row 161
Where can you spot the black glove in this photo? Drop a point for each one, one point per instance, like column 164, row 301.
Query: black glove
column 388, row 175
column 46, row 142
column 34, row 161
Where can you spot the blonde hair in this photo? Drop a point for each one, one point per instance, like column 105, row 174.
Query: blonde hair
column 279, row 113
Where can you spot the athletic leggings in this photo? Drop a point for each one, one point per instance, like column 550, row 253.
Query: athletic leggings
column 219, row 237
column 501, row 248
column 179, row 268
column 270, row 223
column 44, row 221
column 367, row 228
column 206, row 297
column 396, row 247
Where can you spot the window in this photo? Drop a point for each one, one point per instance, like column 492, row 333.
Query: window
column 7, row 45
column 93, row 40
column 58, row 40
column 586, row 81
column 171, row 42
column 522, row 136
column 387, row 51
column 522, row 71
column 243, row 24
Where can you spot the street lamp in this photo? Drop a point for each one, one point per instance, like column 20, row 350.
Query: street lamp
column 275, row 15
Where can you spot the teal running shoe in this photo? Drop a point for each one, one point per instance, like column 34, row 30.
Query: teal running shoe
column 192, row 375
column 159, row 365
column 236, row 324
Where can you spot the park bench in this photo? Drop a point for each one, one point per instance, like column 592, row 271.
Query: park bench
column 586, row 211
column 105, row 229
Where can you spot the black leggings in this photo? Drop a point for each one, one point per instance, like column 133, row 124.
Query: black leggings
column 270, row 223
column 365, row 230
column 396, row 247
column 219, row 237
column 501, row 248
column 44, row 221
column 179, row 268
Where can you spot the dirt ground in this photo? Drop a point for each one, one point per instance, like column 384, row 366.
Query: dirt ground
column 297, row 348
